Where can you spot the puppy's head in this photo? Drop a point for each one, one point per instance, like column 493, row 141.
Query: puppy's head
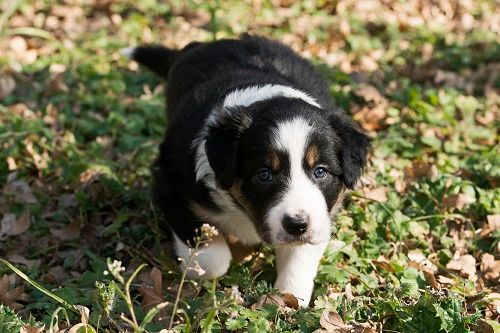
column 286, row 162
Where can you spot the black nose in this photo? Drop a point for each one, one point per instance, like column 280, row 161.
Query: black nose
column 295, row 225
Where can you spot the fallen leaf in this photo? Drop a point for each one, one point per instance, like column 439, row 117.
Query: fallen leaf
column 7, row 85
column 465, row 264
column 32, row 329
column 284, row 301
column 457, row 201
column 21, row 192
column 445, row 280
column 69, row 232
column 494, row 221
column 12, row 225
column 420, row 169
column 362, row 328
column 377, row 194
column 332, row 322
column 490, row 267
column 370, row 94
column 152, row 296
column 19, row 259
column 429, row 277
column 290, row 300
column 10, row 296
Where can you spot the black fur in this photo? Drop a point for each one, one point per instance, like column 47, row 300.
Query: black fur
column 199, row 77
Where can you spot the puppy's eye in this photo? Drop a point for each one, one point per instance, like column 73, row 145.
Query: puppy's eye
column 265, row 175
column 320, row 172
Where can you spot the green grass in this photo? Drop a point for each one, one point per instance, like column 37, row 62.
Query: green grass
column 80, row 127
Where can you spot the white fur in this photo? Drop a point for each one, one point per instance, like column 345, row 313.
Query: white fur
column 302, row 195
column 128, row 52
column 213, row 259
column 297, row 267
column 249, row 95
column 230, row 220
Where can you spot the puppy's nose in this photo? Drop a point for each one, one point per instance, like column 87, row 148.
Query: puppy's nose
column 296, row 224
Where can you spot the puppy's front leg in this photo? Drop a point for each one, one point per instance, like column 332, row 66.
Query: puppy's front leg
column 297, row 267
column 208, row 262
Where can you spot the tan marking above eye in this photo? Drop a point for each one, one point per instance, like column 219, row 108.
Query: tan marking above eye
column 312, row 156
column 273, row 160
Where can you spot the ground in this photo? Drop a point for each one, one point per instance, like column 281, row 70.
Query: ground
column 416, row 248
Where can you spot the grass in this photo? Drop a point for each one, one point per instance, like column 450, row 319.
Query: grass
column 416, row 248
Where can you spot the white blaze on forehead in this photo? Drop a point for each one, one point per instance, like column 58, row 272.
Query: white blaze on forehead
column 302, row 195
column 249, row 95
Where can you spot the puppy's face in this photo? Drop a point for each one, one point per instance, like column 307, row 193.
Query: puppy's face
column 288, row 170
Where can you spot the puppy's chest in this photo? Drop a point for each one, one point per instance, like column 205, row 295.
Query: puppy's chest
column 230, row 219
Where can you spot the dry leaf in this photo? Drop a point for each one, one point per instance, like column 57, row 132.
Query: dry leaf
column 31, row 329
column 273, row 298
column 444, row 280
column 332, row 322
column 458, row 201
column 10, row 296
column 152, row 296
column 7, row 85
column 490, row 267
column 362, row 328
column 429, row 277
column 494, row 221
column 420, row 169
column 378, row 194
column 466, row 264
column 69, row 232
column 21, row 192
column 290, row 300
column 370, row 94
column 19, row 259
column 12, row 225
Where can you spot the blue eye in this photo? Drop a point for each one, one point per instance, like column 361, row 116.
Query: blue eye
column 265, row 175
column 320, row 173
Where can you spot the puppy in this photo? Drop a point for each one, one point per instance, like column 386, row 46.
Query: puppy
column 256, row 148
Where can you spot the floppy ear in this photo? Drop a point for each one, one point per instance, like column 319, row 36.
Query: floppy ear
column 354, row 148
column 221, row 145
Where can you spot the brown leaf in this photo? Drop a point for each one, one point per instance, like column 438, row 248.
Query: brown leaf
column 290, row 300
column 10, row 296
column 444, row 280
column 384, row 265
column 458, row 201
column 377, row 194
column 466, row 264
column 420, row 169
column 7, row 85
column 152, row 296
column 494, row 221
column 362, row 328
column 332, row 322
column 31, row 329
column 370, row 94
column 19, row 259
column 429, row 277
column 69, row 232
column 490, row 267
column 12, row 225
column 272, row 298
column 21, row 192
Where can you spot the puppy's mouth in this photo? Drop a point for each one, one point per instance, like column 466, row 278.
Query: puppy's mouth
column 284, row 239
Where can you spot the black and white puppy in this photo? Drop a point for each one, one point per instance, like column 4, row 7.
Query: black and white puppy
column 254, row 147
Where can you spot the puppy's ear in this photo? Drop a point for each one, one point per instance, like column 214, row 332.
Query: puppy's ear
column 221, row 146
column 354, row 148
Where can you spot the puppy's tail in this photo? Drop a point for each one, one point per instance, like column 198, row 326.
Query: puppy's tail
column 157, row 58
